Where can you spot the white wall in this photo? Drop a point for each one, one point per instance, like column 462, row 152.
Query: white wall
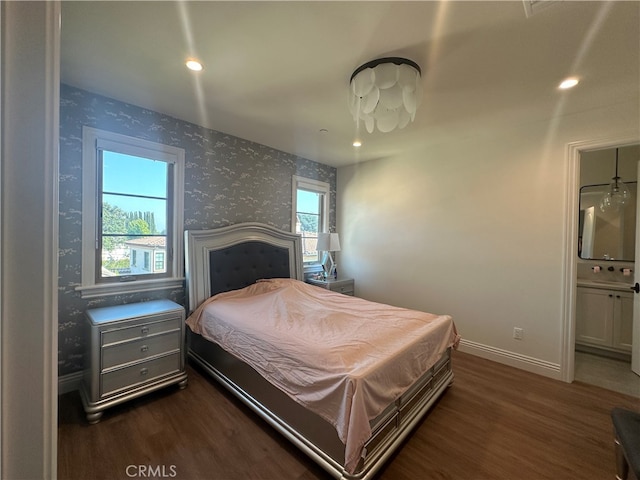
column 474, row 227
column 30, row 31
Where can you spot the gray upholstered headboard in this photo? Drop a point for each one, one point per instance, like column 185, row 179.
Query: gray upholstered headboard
column 240, row 265
column 236, row 256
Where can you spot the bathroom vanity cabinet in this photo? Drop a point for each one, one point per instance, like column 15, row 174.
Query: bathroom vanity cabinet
column 604, row 318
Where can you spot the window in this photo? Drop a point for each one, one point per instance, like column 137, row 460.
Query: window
column 134, row 194
column 311, row 214
column 159, row 262
column 131, row 214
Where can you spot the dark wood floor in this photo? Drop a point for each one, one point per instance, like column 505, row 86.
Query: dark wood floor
column 494, row 423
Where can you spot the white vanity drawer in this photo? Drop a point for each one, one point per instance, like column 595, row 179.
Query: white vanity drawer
column 128, row 377
column 126, row 352
column 140, row 331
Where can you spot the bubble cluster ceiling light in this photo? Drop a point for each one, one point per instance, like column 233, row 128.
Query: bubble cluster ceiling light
column 385, row 93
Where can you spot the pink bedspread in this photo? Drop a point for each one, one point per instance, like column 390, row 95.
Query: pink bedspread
column 342, row 357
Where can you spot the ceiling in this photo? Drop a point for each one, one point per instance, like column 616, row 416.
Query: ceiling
column 277, row 73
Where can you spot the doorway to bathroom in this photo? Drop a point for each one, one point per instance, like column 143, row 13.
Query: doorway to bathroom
column 604, row 336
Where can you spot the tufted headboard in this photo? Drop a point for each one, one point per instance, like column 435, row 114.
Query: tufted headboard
column 236, row 256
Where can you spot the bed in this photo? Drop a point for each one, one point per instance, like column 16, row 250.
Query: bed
column 346, row 407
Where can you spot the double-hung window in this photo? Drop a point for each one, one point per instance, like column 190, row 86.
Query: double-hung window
column 131, row 214
column 310, row 215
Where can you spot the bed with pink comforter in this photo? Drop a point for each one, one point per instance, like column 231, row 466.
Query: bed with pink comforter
column 342, row 357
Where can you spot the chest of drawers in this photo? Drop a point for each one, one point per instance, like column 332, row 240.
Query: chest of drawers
column 133, row 349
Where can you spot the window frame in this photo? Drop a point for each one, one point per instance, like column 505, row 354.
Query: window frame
column 150, row 273
column 94, row 139
column 315, row 186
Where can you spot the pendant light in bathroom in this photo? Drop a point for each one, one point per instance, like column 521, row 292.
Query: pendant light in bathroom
column 618, row 194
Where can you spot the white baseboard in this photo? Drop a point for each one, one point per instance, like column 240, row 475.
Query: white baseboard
column 517, row 360
column 69, row 383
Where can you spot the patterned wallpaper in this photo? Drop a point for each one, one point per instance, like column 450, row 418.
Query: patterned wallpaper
column 227, row 180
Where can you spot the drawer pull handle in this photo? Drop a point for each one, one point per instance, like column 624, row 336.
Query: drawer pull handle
column 144, row 330
column 144, row 348
column 144, row 371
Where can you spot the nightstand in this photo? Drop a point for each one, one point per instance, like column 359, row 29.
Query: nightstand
column 341, row 285
column 133, row 349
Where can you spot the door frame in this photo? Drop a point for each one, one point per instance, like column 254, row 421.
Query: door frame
column 570, row 271
column 29, row 296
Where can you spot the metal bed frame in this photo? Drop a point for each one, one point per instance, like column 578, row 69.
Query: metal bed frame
column 234, row 257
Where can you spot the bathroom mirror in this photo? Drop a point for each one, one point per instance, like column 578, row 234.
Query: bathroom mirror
column 607, row 235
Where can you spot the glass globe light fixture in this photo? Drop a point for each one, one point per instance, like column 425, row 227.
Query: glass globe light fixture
column 618, row 194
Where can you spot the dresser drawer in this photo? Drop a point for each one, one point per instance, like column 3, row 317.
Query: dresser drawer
column 340, row 285
column 142, row 330
column 128, row 377
column 139, row 349
column 344, row 289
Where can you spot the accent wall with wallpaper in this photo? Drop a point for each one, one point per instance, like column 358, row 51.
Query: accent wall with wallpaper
column 227, row 180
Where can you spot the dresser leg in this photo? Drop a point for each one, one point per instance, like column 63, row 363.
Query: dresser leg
column 183, row 384
column 94, row 418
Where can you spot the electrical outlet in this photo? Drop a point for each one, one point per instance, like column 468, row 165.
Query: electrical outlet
column 518, row 333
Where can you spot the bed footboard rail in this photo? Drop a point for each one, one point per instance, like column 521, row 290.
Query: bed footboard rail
column 408, row 411
column 390, row 429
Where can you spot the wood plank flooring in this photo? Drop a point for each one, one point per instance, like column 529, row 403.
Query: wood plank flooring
column 494, row 423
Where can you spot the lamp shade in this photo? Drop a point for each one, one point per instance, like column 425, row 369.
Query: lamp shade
column 328, row 242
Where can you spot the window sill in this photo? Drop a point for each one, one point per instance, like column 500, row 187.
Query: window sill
column 119, row 288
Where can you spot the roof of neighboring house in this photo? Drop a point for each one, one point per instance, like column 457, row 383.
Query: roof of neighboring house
column 151, row 242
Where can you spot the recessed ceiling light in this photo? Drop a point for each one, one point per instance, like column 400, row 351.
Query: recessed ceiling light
column 568, row 83
column 194, row 65
column 357, row 143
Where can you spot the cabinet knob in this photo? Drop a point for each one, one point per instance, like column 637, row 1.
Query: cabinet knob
column 144, row 348
column 144, row 371
column 144, row 330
